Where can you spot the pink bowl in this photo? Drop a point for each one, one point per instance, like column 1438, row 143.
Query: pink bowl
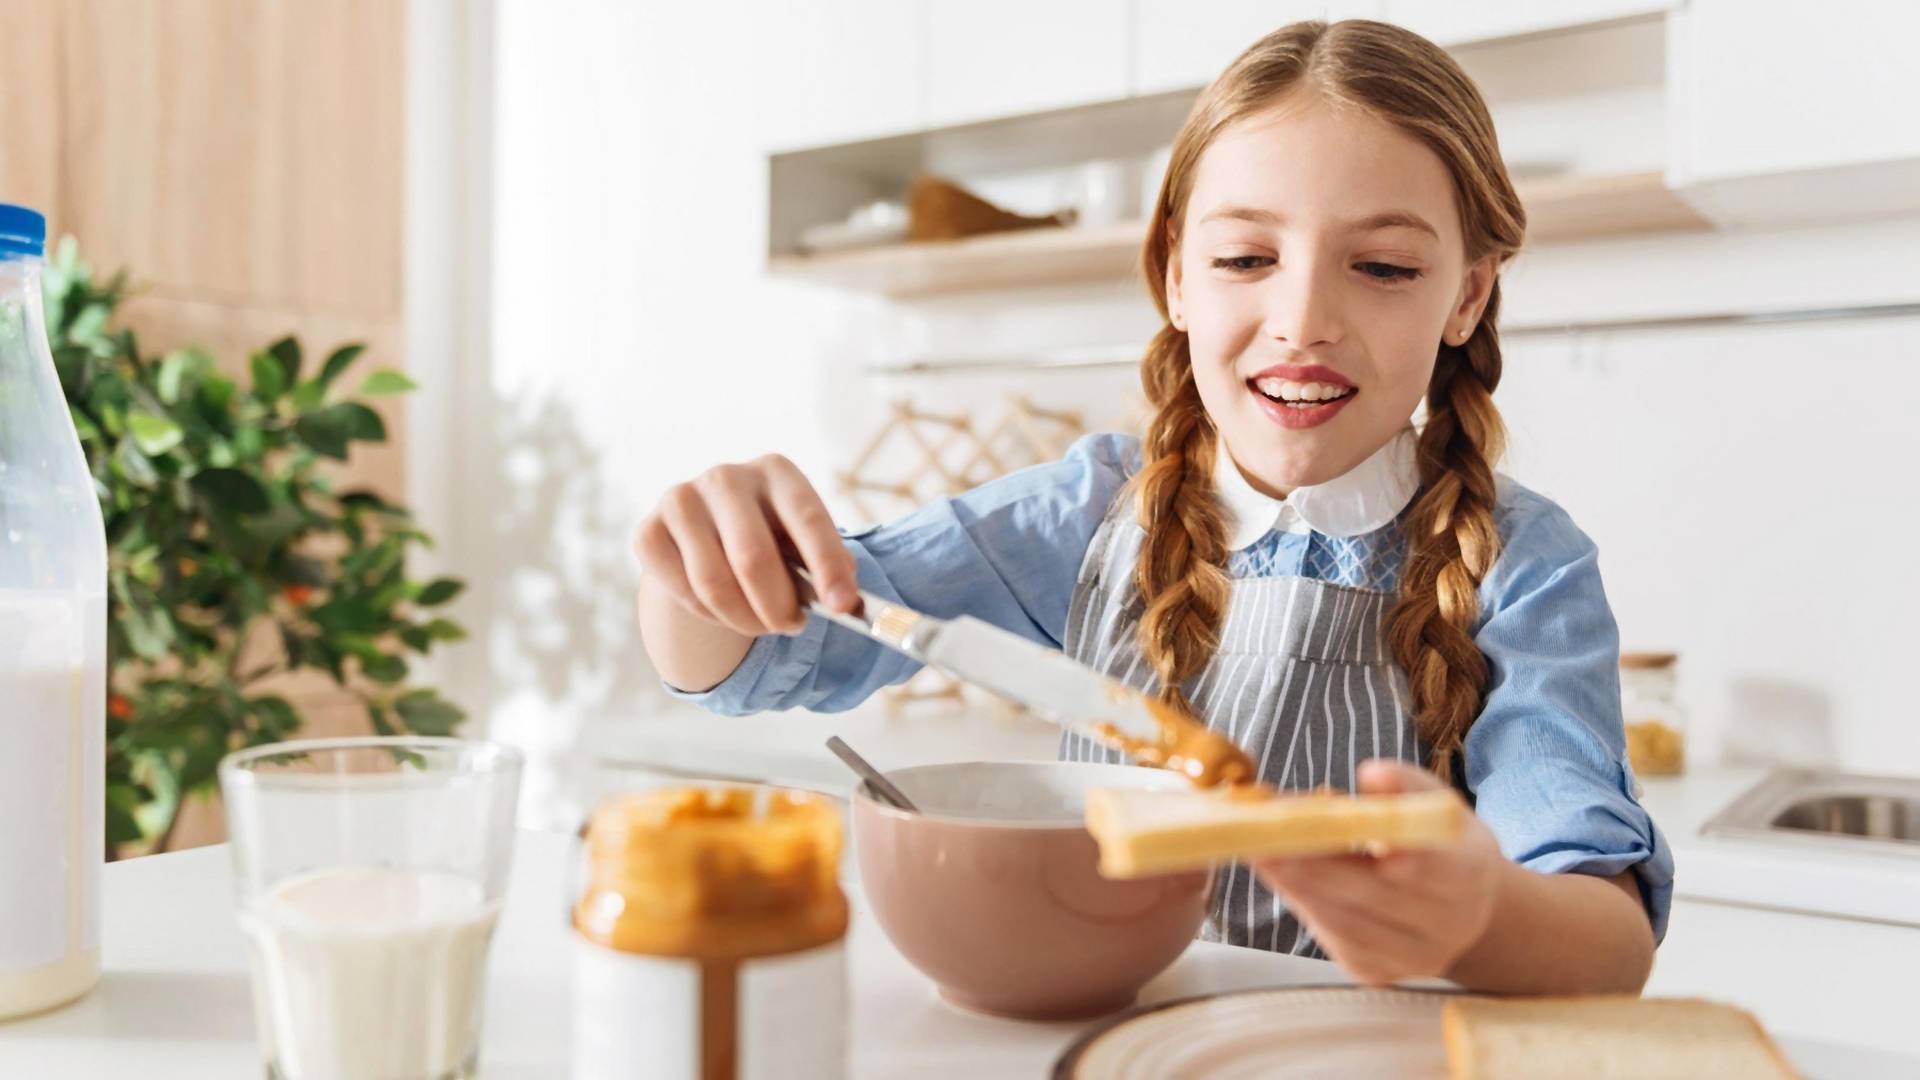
column 992, row 890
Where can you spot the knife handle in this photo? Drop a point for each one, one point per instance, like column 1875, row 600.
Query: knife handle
column 882, row 620
column 810, row 598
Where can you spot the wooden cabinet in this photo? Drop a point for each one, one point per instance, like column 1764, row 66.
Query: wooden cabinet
column 1179, row 44
column 992, row 58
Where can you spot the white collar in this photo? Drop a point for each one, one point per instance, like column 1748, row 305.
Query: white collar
column 1360, row 500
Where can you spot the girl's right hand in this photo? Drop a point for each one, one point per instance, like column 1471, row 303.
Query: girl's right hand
column 720, row 546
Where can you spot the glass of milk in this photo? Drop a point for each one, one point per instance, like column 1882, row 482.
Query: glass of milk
column 369, row 873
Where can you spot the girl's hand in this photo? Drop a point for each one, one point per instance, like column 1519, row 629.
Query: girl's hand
column 1402, row 914
column 719, row 545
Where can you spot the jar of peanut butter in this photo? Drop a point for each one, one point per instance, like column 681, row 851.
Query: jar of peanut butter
column 1650, row 705
column 709, row 938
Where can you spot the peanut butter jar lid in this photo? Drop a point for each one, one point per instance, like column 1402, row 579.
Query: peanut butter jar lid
column 1642, row 660
column 713, row 872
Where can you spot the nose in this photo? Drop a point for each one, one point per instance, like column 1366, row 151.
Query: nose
column 1304, row 308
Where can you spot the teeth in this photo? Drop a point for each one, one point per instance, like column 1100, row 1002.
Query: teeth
column 1285, row 390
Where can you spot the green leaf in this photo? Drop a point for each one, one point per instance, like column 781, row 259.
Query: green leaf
column 426, row 713
column 276, row 716
column 135, row 466
column 377, row 716
column 329, row 430
column 149, row 629
column 386, row 381
column 446, row 630
column 384, row 668
column 286, row 352
column 122, row 800
column 367, row 425
column 439, row 592
column 175, row 369
column 155, row 435
column 269, row 378
column 233, row 490
column 346, row 615
column 308, row 394
column 341, row 359
column 216, row 393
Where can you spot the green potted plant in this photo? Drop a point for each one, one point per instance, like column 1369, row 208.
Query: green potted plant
column 232, row 557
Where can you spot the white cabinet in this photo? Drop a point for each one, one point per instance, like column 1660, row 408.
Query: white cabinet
column 1179, row 44
column 832, row 71
column 1807, row 976
column 1778, row 88
column 990, row 58
column 1451, row 22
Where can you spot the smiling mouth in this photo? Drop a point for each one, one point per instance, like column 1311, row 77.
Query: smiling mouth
column 1300, row 395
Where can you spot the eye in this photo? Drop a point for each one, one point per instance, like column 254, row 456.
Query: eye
column 1387, row 271
column 1243, row 264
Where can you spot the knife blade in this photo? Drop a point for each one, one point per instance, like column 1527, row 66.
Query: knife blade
column 1047, row 681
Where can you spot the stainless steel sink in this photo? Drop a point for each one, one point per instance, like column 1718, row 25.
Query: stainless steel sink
column 1866, row 813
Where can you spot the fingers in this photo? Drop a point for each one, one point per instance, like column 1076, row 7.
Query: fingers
column 1384, row 776
column 714, row 544
column 1355, row 918
column 1344, row 884
column 660, row 561
column 759, row 569
column 704, row 561
column 804, row 517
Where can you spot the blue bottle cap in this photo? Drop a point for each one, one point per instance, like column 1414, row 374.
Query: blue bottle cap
column 23, row 230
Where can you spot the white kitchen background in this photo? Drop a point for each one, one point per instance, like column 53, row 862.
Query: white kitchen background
column 594, row 183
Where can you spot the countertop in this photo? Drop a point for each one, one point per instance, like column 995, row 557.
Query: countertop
column 1842, row 880
column 173, row 1003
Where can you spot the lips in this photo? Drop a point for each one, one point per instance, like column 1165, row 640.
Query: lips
column 1301, row 395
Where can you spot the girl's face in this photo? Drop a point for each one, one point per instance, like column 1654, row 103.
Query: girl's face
column 1320, row 264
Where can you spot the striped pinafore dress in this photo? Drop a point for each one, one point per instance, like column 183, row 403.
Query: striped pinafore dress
column 1302, row 681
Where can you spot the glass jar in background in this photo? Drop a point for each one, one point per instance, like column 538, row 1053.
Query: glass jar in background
column 1650, row 704
column 709, row 938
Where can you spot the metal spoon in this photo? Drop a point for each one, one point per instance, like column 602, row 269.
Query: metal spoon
column 881, row 785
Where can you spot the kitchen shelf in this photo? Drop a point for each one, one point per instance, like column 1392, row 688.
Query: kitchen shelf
column 1558, row 208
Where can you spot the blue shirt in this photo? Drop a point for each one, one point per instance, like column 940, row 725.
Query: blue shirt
column 1545, row 762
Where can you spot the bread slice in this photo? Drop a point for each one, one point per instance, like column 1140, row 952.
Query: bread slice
column 1606, row 1037
column 1158, row 832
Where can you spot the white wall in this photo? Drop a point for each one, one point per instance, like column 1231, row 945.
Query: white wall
column 629, row 341
column 1747, row 486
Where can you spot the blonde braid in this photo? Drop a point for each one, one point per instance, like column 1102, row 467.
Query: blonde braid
column 1180, row 574
column 1452, row 541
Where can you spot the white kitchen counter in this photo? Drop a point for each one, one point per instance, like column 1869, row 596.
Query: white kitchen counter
column 173, row 1003
column 1842, row 880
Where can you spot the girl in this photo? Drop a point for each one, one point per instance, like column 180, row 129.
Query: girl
column 1353, row 600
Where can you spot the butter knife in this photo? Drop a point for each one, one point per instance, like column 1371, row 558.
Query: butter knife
column 1044, row 680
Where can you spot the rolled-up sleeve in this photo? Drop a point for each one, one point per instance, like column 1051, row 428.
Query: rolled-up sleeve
column 1546, row 760
column 1006, row 552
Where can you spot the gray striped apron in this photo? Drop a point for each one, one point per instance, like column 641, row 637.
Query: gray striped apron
column 1302, row 681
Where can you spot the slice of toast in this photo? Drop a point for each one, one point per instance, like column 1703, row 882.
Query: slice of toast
column 1607, row 1037
column 1159, row 832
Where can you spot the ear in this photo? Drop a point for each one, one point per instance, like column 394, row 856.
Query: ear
column 1475, row 289
column 1176, row 301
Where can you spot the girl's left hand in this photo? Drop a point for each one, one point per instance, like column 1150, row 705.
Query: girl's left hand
column 1401, row 914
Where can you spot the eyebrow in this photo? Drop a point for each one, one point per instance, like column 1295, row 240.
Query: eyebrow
column 1388, row 219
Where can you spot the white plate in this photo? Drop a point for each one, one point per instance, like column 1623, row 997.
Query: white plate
column 1334, row 1032
column 1331, row 1032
